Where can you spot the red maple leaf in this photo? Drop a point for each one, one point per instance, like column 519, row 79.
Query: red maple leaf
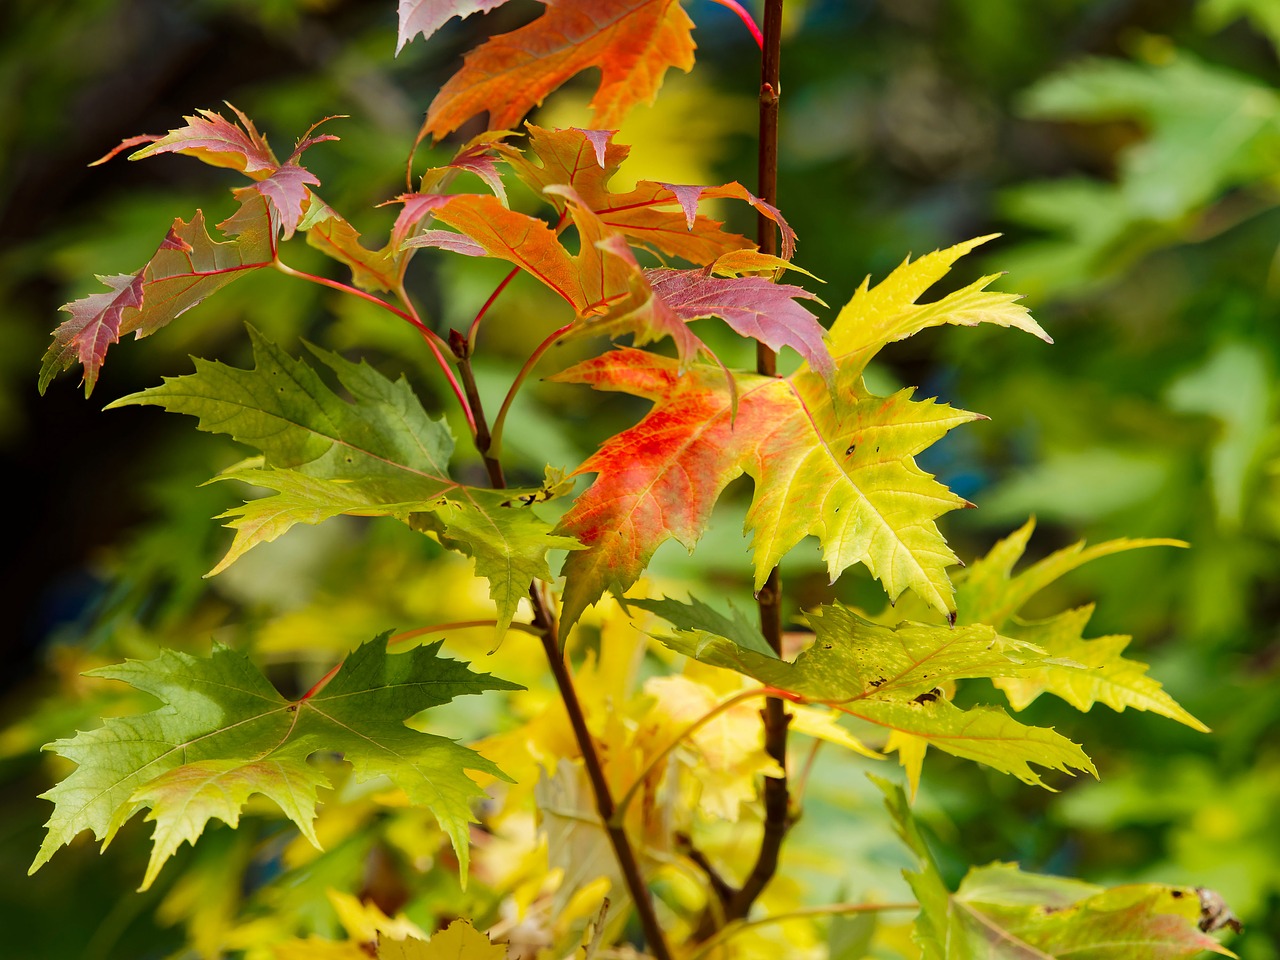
column 828, row 457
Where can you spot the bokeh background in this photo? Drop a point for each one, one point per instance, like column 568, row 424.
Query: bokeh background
column 1128, row 151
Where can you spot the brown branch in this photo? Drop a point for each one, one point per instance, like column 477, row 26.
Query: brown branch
column 718, row 883
column 461, row 348
column 777, row 798
column 736, row 904
column 544, row 619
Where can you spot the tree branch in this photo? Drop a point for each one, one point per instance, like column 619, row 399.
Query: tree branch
column 544, row 620
column 777, row 798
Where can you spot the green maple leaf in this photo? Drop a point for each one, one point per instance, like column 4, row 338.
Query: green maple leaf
column 1003, row 913
column 378, row 454
column 224, row 733
column 837, row 463
column 696, row 619
column 890, row 676
column 1081, row 672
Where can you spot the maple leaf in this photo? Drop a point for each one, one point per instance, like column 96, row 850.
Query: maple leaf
column 610, row 292
column 697, row 617
column 1083, row 672
column 891, row 677
column 378, row 455
column 187, row 267
column 1000, row 911
column 889, row 311
column 332, row 235
column 213, row 139
column 427, row 16
column 753, row 306
column 477, row 157
column 223, row 733
column 991, row 594
column 839, row 468
column 632, row 42
column 528, row 243
column 458, row 941
column 835, row 463
column 661, row 217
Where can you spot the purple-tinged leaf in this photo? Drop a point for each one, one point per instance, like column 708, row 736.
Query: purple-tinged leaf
column 94, row 326
column 417, row 207
column 427, row 16
column 754, row 306
column 688, row 197
column 447, row 240
column 600, row 140
column 218, row 142
column 286, row 191
column 212, row 138
column 187, row 267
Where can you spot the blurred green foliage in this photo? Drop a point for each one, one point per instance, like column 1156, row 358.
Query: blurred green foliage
column 1128, row 149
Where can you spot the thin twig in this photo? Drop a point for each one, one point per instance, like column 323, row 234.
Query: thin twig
column 718, row 883
column 500, row 421
column 430, row 336
column 544, row 619
column 461, row 348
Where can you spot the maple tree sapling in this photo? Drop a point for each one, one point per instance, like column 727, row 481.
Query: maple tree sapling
column 827, row 456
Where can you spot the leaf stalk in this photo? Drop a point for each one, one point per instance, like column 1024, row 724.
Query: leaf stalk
column 410, row 316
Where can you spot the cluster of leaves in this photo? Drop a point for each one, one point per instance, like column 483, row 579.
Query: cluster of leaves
column 828, row 457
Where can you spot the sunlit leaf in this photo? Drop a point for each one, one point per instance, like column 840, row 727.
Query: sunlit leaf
column 223, row 733
column 379, row 454
column 1003, row 913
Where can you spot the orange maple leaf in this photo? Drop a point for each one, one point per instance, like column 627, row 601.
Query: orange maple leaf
column 632, row 42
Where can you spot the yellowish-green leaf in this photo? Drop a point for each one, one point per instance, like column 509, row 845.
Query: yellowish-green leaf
column 1094, row 671
column 459, row 941
column 1002, row 913
column 1082, row 672
column 185, row 798
column 985, row 735
column 379, row 454
column 223, row 727
column 891, row 677
column 852, row 658
column 987, row 592
column 888, row 311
